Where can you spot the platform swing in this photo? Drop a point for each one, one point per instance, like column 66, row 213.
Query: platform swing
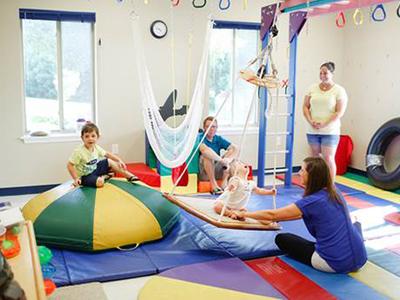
column 203, row 208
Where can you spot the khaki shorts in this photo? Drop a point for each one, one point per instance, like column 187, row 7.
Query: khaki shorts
column 218, row 167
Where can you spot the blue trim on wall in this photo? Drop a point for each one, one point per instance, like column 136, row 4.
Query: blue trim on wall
column 236, row 25
column 25, row 190
column 57, row 15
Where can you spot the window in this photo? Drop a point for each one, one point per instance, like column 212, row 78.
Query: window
column 233, row 45
column 58, row 53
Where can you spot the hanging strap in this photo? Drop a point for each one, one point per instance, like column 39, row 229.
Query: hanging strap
column 358, row 17
column 175, row 2
column 377, row 9
column 340, row 20
column 244, row 4
column 227, row 5
column 398, row 11
column 195, row 5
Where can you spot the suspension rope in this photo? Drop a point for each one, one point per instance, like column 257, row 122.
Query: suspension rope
column 226, row 97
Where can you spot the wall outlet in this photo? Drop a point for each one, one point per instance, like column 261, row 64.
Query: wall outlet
column 115, row 148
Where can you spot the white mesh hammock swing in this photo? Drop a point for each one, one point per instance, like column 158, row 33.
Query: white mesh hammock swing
column 172, row 146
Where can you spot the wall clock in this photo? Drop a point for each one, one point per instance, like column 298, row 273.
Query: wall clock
column 158, row 29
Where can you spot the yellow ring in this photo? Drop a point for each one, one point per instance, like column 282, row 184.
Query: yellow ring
column 358, row 17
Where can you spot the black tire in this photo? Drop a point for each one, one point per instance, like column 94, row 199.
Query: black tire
column 377, row 146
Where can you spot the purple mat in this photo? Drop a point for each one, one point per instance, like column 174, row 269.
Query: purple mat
column 229, row 273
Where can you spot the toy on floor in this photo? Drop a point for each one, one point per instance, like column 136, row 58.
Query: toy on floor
column 10, row 246
column 48, row 269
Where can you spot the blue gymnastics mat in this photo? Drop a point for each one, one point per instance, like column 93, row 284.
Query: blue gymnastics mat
column 190, row 241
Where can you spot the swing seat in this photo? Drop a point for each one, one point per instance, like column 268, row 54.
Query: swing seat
column 203, row 208
column 268, row 81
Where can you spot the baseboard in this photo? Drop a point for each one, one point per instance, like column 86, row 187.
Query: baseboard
column 357, row 171
column 25, row 190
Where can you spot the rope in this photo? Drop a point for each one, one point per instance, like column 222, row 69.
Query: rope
column 275, row 148
column 173, row 71
column 208, row 129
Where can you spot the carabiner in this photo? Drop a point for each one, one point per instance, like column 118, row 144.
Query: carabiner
column 340, row 20
column 358, row 17
column 228, row 4
column 199, row 5
column 379, row 7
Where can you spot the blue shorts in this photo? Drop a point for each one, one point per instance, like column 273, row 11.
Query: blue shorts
column 329, row 140
column 101, row 169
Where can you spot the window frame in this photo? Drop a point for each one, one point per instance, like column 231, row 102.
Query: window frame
column 61, row 134
column 234, row 25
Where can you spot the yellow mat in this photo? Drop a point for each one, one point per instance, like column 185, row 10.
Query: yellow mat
column 370, row 190
column 379, row 279
column 162, row 288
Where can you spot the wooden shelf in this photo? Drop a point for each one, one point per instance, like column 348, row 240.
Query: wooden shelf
column 26, row 265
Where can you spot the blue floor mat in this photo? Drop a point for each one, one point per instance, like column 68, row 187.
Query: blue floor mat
column 190, row 241
column 248, row 244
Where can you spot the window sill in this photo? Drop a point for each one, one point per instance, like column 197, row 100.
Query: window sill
column 52, row 138
column 237, row 130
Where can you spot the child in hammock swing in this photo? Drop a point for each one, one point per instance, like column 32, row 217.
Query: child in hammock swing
column 237, row 193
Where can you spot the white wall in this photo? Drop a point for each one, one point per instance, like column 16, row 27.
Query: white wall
column 119, row 112
column 372, row 61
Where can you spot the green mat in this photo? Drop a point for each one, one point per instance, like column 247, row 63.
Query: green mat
column 363, row 179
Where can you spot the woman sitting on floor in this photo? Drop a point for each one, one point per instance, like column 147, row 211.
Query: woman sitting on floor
column 339, row 246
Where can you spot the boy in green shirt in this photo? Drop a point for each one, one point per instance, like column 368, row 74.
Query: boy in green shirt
column 90, row 164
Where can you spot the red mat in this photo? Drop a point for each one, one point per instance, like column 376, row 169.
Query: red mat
column 393, row 218
column 145, row 174
column 291, row 283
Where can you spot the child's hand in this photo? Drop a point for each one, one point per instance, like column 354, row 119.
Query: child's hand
column 237, row 215
column 77, row 182
column 273, row 192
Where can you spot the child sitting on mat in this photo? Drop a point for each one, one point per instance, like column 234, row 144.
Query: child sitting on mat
column 237, row 193
column 90, row 164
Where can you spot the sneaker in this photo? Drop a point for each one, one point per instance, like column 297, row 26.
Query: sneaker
column 216, row 191
column 133, row 178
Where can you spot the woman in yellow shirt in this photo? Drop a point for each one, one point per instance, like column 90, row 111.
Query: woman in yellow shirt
column 324, row 105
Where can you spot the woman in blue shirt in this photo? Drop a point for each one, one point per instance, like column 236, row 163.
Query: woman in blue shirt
column 339, row 246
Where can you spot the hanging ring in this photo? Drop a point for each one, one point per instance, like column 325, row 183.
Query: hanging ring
column 398, row 11
column 199, row 5
column 175, row 2
column 340, row 20
column 228, row 4
column 375, row 17
column 358, row 17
